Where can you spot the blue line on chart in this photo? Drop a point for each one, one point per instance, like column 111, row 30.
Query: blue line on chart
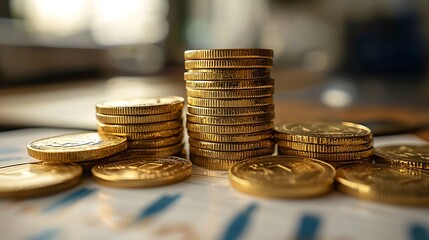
column 45, row 235
column 156, row 207
column 418, row 232
column 308, row 227
column 239, row 223
column 69, row 199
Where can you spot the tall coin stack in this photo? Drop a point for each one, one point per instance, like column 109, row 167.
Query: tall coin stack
column 152, row 126
column 230, row 105
column 337, row 143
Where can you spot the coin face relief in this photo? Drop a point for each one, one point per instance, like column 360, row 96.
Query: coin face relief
column 135, row 170
column 324, row 132
column 76, row 147
column 140, row 106
column 409, row 155
column 282, row 176
column 33, row 179
column 379, row 182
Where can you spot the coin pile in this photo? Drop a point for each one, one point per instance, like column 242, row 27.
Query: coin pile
column 337, row 143
column 152, row 126
column 414, row 156
column 230, row 105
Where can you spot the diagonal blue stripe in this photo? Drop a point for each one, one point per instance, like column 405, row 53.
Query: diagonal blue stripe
column 158, row 206
column 45, row 235
column 418, row 232
column 239, row 223
column 308, row 227
column 69, row 199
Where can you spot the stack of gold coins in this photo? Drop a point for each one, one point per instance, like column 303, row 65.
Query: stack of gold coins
column 337, row 143
column 152, row 126
column 230, row 105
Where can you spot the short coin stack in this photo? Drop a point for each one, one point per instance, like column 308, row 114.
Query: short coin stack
column 152, row 126
column 337, row 143
column 230, row 105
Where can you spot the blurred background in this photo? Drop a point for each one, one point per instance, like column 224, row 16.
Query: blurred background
column 363, row 60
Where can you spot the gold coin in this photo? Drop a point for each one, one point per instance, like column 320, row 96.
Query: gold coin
column 341, row 164
column 138, row 119
column 231, row 147
column 35, row 179
column 329, row 157
column 230, row 120
column 231, row 155
column 229, row 53
column 226, row 74
column 231, row 112
column 238, row 93
column 212, row 163
column 379, row 182
column 148, row 127
column 148, row 135
column 328, row 133
column 76, row 147
column 242, row 102
column 133, row 170
column 416, row 156
column 233, row 129
column 231, row 138
column 160, row 151
column 230, row 63
column 308, row 147
column 231, row 84
column 282, row 176
column 141, row 106
column 155, row 143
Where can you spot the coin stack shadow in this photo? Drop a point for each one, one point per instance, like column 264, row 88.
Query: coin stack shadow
column 337, row 150
column 230, row 105
column 150, row 130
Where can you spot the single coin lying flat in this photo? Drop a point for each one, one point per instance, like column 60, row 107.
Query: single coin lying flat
column 76, row 147
column 133, row 170
column 380, row 182
column 282, row 176
column 35, row 179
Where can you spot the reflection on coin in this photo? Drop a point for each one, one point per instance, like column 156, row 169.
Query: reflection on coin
column 148, row 127
column 230, row 63
column 231, row 138
column 231, row 84
column 138, row 119
column 308, row 147
column 35, row 179
column 229, row 53
column 76, row 147
column 330, row 157
column 233, row 129
column 231, row 147
column 237, row 120
column 135, row 170
column 282, row 176
column 141, row 106
column 226, row 74
column 148, row 135
column 238, row 93
column 329, row 133
column 220, row 103
column 238, row 111
column 416, row 156
column 391, row 184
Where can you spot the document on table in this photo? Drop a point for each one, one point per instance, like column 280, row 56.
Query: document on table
column 204, row 206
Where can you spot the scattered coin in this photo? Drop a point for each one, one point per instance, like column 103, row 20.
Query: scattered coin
column 379, row 182
column 76, row 147
column 416, row 156
column 134, row 170
column 36, row 179
column 282, row 176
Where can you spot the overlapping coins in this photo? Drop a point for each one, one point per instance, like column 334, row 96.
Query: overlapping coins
column 152, row 126
column 337, row 143
column 230, row 105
